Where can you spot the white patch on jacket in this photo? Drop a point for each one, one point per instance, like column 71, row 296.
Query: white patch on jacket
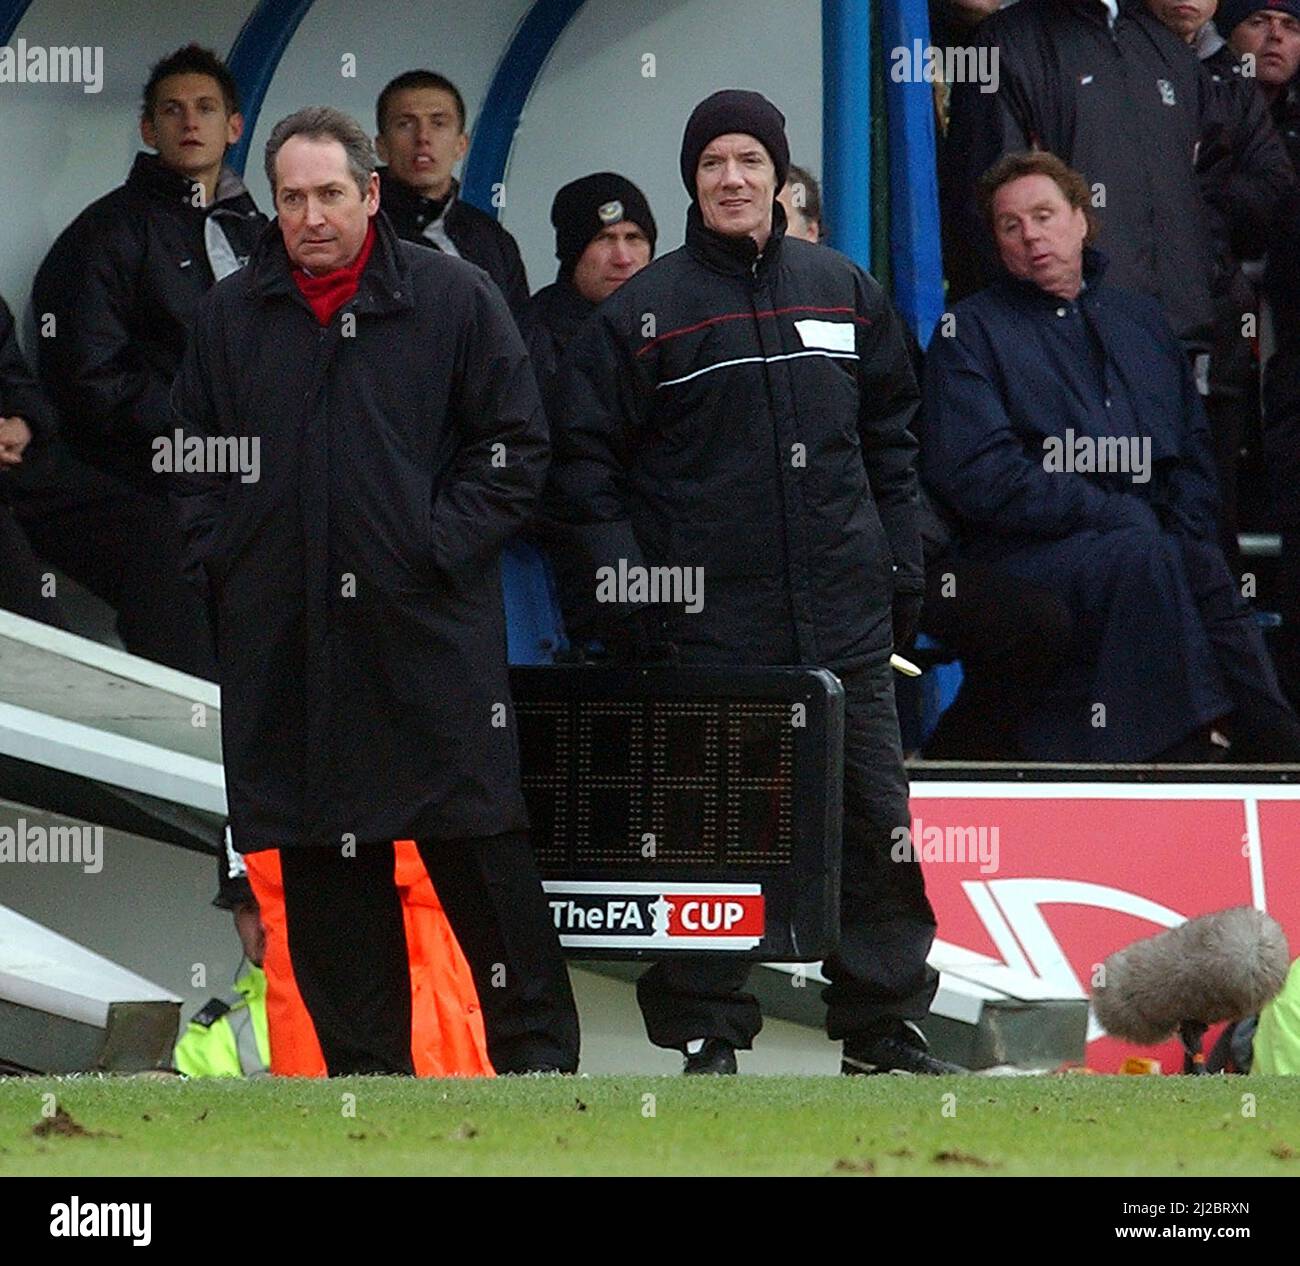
column 834, row 336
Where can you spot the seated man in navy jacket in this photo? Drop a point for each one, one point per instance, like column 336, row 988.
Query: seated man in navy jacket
column 1064, row 429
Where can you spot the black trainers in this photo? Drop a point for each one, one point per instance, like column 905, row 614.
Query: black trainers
column 900, row 1051
column 715, row 1057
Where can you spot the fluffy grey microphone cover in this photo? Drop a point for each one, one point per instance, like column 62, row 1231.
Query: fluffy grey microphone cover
column 1222, row 966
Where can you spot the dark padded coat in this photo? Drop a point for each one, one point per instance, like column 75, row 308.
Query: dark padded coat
column 357, row 585
column 1243, row 164
column 123, row 282
column 1282, row 372
column 748, row 414
column 551, row 319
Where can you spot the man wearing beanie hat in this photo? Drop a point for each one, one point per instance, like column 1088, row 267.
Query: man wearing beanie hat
column 739, row 409
column 604, row 233
column 1268, row 31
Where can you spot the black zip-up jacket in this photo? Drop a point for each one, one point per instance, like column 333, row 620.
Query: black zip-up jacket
column 21, row 397
column 1246, row 178
column 1282, row 372
column 1125, row 106
column 1243, row 164
column 747, row 414
column 1283, row 276
column 1285, row 112
column 549, row 322
column 478, row 236
column 123, row 282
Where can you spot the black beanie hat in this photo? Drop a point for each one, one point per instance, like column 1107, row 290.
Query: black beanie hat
column 734, row 110
column 1232, row 12
column 584, row 207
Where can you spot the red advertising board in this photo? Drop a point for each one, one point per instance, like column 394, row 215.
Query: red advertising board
column 1063, row 874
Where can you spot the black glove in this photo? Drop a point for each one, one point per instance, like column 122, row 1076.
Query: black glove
column 635, row 635
column 629, row 638
column 906, row 614
column 232, row 891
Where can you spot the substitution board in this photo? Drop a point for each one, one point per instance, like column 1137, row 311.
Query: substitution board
column 685, row 810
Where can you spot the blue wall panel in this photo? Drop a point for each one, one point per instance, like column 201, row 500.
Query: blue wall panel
column 254, row 57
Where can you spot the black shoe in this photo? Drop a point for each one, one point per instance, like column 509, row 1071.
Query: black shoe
column 715, row 1057
column 900, row 1051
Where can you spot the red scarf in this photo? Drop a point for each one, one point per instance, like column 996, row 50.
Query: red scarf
column 330, row 291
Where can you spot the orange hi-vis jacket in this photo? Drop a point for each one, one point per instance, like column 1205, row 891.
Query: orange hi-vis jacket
column 447, row 1037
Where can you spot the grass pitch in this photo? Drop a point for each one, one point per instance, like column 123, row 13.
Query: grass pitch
column 1071, row 1125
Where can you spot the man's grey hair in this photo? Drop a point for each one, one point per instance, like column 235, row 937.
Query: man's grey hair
column 324, row 123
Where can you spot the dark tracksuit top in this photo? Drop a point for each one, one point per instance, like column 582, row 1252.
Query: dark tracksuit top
column 478, row 236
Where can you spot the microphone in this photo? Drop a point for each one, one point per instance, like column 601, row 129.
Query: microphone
column 1217, row 967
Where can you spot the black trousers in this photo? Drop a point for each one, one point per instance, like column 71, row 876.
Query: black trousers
column 878, row 975
column 1012, row 637
column 1232, row 406
column 20, row 576
column 1262, row 725
column 124, row 545
column 1287, row 640
column 1230, row 416
column 347, row 942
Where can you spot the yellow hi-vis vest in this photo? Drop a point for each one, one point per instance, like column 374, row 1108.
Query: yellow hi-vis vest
column 228, row 1037
column 1277, row 1037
